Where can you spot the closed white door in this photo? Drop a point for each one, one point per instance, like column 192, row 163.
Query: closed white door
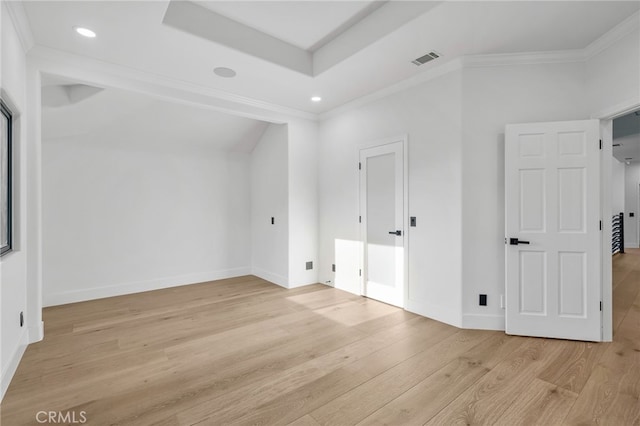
column 382, row 217
column 553, row 230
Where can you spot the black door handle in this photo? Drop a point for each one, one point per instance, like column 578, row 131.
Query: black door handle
column 396, row 232
column 515, row 241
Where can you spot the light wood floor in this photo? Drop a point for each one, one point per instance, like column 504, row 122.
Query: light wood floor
column 242, row 351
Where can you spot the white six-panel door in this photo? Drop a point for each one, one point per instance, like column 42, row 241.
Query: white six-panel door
column 553, row 236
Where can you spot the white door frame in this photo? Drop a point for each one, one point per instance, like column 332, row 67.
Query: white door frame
column 404, row 138
column 606, row 132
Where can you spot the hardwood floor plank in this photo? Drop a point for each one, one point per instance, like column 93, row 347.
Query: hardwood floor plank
column 626, row 292
column 290, row 381
column 543, row 404
column 427, row 398
column 612, row 393
column 487, row 399
column 312, row 395
column 244, row 351
column 360, row 402
column 574, row 366
column 304, row 421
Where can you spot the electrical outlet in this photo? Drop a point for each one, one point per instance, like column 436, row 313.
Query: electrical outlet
column 413, row 221
column 333, row 267
column 483, row 300
column 273, row 220
column 21, row 319
column 309, row 265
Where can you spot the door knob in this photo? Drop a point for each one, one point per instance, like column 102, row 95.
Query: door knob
column 396, row 232
column 515, row 241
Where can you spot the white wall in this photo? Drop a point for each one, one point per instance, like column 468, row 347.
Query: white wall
column 631, row 203
column 492, row 98
column 617, row 186
column 430, row 114
column 125, row 213
column 303, row 202
column 270, row 198
column 612, row 75
column 13, row 266
column 455, row 125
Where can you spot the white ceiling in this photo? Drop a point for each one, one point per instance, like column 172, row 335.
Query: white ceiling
column 304, row 24
column 123, row 117
column 373, row 53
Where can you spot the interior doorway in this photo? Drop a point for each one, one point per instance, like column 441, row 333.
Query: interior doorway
column 382, row 218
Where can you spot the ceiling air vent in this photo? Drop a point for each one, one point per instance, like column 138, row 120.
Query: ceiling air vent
column 426, row 58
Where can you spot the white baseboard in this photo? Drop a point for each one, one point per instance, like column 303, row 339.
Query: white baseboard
column 63, row 298
column 434, row 312
column 483, row 322
column 36, row 332
column 630, row 245
column 9, row 369
column 270, row 276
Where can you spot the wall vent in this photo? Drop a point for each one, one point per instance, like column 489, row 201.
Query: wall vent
column 426, row 58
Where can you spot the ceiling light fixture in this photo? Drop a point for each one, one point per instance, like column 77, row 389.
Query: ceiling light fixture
column 85, row 32
column 224, row 72
column 316, row 99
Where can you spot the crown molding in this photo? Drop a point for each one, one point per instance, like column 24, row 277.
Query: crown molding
column 464, row 62
column 621, row 30
column 20, row 21
column 107, row 74
column 525, row 58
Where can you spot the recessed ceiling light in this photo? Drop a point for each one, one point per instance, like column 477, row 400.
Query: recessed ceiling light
column 86, row 32
column 224, row 72
column 316, row 98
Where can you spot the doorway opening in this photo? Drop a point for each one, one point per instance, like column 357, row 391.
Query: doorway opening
column 625, row 208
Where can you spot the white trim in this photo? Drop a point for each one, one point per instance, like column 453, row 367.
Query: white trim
column 303, row 284
column 618, row 110
column 140, row 286
column 280, row 280
column 631, row 245
column 458, row 64
column 36, row 333
column 85, row 69
column 407, row 220
column 493, row 60
column 613, row 35
column 483, row 322
column 436, row 312
column 525, row 58
column 21, row 23
column 606, row 271
column 12, row 365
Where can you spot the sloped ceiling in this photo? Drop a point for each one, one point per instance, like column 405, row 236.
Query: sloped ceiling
column 120, row 117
